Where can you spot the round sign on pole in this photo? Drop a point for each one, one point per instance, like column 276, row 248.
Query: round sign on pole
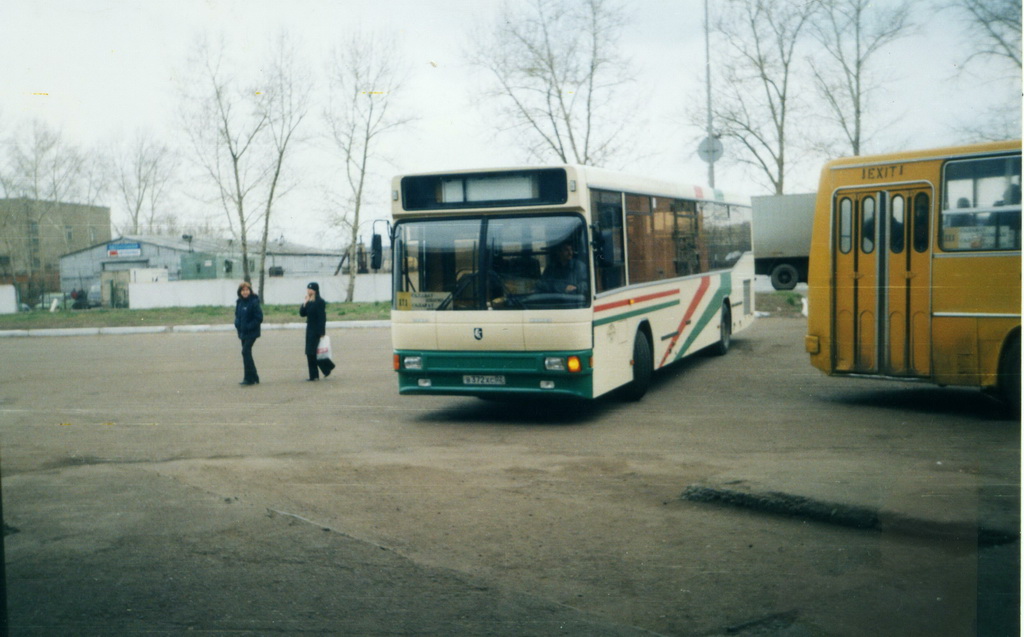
column 710, row 149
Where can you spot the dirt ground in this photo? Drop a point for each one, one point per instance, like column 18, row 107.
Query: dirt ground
column 152, row 494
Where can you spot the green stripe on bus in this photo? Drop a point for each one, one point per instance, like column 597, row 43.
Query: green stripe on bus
column 622, row 317
column 724, row 289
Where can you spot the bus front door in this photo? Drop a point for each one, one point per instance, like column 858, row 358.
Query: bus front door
column 881, row 279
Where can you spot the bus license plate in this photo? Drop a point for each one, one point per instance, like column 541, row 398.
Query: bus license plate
column 483, row 380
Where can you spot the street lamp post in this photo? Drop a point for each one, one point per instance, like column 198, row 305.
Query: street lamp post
column 710, row 149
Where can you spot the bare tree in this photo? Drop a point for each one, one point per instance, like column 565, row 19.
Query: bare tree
column 144, row 171
column 558, row 77
column 994, row 26
column 756, row 102
column 993, row 32
column 47, row 172
column 284, row 105
column 851, row 32
column 364, row 77
column 223, row 125
column 45, row 167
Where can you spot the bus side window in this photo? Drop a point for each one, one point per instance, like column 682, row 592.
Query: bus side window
column 611, row 267
column 686, row 238
column 921, row 206
column 643, row 263
column 990, row 187
column 725, row 231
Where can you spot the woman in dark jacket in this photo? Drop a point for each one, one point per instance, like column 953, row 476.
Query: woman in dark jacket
column 314, row 308
column 248, row 317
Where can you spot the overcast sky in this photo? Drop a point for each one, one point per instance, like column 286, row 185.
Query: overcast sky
column 99, row 69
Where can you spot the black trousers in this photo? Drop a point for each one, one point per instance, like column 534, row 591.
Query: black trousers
column 316, row 366
column 248, row 364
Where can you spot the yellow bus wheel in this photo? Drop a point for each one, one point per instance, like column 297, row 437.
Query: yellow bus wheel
column 1009, row 374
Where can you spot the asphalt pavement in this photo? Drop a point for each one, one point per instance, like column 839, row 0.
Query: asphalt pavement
column 192, row 561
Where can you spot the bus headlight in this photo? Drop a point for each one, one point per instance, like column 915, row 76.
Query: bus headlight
column 554, row 364
column 571, row 364
column 412, row 362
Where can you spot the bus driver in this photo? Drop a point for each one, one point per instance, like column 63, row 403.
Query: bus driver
column 565, row 274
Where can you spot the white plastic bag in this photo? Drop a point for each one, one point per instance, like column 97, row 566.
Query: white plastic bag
column 323, row 349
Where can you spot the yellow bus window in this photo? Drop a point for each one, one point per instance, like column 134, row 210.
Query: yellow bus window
column 981, row 204
column 867, row 233
column 897, row 224
column 845, row 225
column 921, row 206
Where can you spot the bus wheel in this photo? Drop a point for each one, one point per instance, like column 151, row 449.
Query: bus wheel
column 1009, row 375
column 643, row 368
column 725, row 332
column 784, row 277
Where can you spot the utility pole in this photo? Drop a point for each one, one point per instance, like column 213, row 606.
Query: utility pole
column 710, row 149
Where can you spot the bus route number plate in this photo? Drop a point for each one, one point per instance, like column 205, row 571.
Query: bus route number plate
column 478, row 379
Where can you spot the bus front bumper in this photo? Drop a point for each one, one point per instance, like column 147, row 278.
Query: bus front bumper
column 567, row 373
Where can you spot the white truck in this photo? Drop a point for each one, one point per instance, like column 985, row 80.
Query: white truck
column 782, row 237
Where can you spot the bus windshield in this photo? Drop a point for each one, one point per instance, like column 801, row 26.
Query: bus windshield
column 492, row 263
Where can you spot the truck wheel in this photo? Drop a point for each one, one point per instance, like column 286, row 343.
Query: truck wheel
column 784, row 277
column 721, row 348
column 1009, row 375
column 643, row 369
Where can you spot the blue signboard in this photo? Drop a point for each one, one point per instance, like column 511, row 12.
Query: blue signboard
column 124, row 249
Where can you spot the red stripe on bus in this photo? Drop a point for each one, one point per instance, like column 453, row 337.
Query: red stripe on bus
column 705, row 283
column 639, row 299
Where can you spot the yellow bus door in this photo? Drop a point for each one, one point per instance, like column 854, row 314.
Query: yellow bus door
column 906, row 328
column 881, row 279
column 856, row 255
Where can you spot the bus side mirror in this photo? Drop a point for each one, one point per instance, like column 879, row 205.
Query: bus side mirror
column 376, row 252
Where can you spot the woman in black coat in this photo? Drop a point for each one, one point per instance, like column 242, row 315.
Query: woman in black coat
column 314, row 308
column 248, row 317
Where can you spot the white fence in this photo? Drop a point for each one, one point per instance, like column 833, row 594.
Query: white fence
column 277, row 291
column 8, row 299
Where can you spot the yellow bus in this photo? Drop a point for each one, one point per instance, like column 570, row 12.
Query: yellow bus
column 561, row 280
column 915, row 268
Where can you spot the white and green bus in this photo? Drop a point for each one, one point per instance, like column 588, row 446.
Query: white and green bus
column 563, row 280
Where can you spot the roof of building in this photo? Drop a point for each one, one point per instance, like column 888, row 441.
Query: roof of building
column 63, row 204
column 215, row 246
